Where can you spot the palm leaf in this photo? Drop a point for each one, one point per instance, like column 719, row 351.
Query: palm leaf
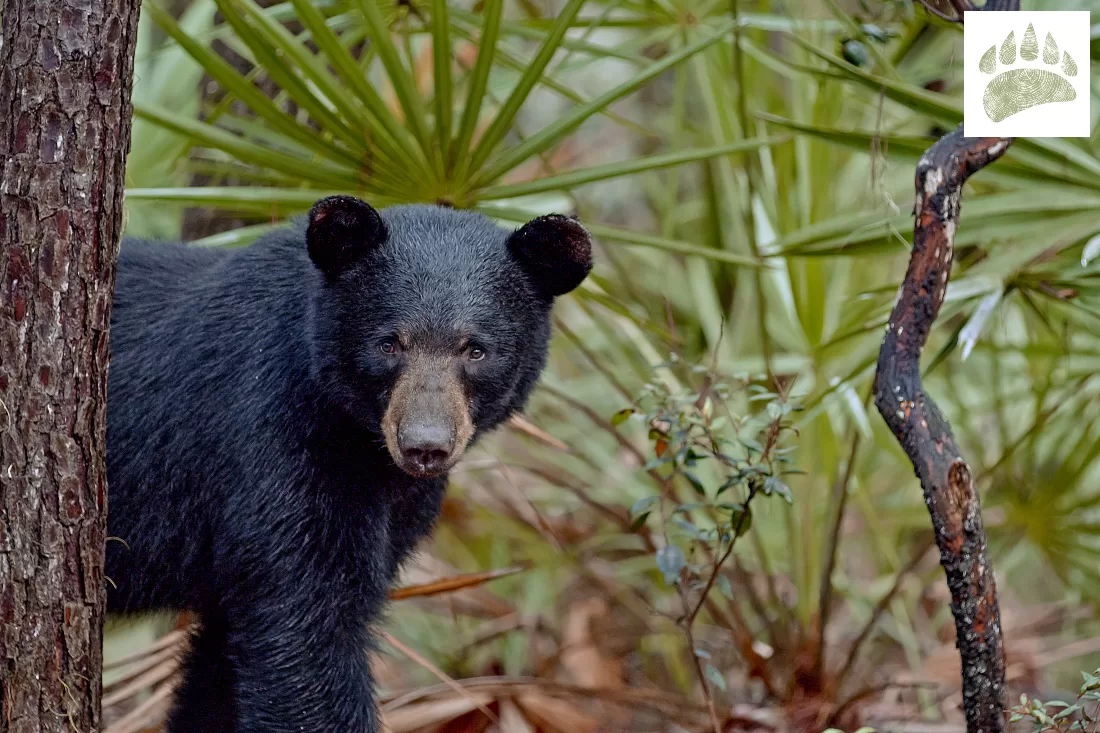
column 554, row 132
column 400, row 77
column 531, row 75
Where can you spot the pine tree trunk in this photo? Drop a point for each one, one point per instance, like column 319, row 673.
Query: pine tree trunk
column 66, row 70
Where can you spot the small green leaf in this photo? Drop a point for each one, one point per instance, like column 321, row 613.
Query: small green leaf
column 772, row 485
column 655, row 463
column 621, row 416
column 728, row 484
column 875, row 33
column 1091, row 250
column 742, row 523
column 716, row 677
column 670, row 561
column 752, row 445
column 695, row 483
column 724, row 587
column 856, row 53
column 644, row 504
column 687, row 526
column 693, row 455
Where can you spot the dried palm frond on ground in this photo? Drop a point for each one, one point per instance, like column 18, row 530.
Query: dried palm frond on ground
column 587, row 672
column 139, row 696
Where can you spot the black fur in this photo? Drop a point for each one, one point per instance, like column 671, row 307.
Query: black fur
column 556, row 251
column 247, row 475
column 342, row 229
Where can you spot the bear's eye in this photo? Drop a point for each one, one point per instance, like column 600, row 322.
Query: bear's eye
column 388, row 347
column 475, row 353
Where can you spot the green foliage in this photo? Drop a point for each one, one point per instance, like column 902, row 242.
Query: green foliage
column 329, row 129
column 1056, row 716
column 167, row 76
column 689, row 429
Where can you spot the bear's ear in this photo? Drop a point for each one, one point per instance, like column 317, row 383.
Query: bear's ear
column 341, row 230
column 555, row 251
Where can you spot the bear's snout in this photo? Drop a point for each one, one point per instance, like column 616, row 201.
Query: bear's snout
column 427, row 423
column 426, row 446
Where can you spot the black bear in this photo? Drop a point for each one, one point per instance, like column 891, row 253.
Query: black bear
column 281, row 420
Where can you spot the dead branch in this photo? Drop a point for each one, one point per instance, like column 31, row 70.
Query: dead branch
column 925, row 434
column 962, row 6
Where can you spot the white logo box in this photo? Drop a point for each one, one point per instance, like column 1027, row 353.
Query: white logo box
column 1019, row 74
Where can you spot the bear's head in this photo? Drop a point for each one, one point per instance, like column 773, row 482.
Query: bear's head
column 432, row 324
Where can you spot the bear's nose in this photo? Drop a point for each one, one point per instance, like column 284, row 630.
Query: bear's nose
column 426, row 447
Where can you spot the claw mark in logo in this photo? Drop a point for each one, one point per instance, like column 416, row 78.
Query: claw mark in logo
column 1018, row 89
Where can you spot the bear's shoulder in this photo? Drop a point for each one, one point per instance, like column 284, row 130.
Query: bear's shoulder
column 164, row 271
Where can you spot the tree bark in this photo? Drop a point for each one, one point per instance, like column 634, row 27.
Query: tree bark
column 66, row 71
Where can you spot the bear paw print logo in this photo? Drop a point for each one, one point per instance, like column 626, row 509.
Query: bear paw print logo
column 1016, row 89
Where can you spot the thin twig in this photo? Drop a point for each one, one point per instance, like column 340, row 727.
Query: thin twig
column 616, row 514
column 452, row 584
column 692, row 612
column 825, row 598
column 939, row 13
column 689, row 631
column 876, row 614
column 437, row 672
column 744, row 579
column 146, row 713
column 171, row 639
column 737, row 532
column 598, row 365
column 874, row 690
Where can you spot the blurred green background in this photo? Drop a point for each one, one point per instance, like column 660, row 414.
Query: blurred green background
column 747, row 174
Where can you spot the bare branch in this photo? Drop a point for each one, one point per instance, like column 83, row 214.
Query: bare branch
column 925, row 434
column 940, row 14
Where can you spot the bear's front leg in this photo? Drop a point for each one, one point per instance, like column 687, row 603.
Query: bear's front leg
column 297, row 615
column 302, row 669
column 205, row 698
